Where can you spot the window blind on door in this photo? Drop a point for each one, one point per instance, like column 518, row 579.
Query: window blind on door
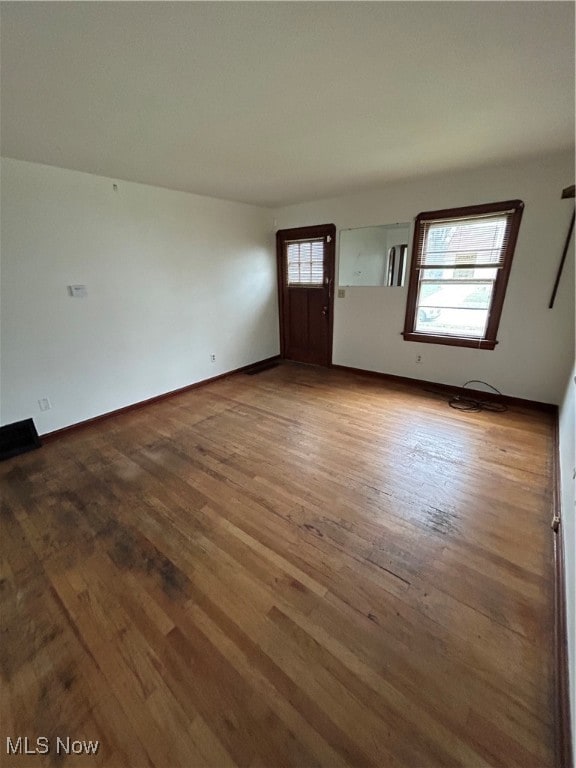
column 305, row 262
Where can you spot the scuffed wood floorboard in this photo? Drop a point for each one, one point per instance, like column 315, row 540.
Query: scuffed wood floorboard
column 305, row 567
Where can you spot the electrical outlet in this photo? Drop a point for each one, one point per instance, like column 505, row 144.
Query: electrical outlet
column 44, row 404
column 341, row 293
column 418, row 358
column 213, row 357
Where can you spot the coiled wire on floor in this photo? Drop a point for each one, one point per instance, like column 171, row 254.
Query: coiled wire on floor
column 476, row 404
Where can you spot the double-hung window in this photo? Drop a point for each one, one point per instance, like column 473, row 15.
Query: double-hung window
column 461, row 261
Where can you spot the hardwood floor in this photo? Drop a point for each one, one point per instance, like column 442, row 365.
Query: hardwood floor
column 299, row 568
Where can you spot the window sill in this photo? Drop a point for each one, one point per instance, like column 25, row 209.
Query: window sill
column 453, row 341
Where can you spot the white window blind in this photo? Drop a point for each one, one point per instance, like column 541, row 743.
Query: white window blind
column 305, row 262
column 480, row 241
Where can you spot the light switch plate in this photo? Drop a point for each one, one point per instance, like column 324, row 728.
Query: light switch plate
column 341, row 293
column 77, row 291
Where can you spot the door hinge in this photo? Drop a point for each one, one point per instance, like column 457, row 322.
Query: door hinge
column 555, row 524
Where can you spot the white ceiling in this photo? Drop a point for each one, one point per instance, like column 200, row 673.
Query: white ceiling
column 272, row 103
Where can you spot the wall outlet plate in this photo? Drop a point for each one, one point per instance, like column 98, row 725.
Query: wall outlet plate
column 341, row 293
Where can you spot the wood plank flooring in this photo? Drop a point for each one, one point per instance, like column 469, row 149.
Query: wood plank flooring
column 304, row 567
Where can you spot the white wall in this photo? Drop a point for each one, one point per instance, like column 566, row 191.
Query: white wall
column 567, row 421
column 171, row 278
column 535, row 347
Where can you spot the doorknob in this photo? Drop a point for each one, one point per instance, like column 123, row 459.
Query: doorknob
column 324, row 311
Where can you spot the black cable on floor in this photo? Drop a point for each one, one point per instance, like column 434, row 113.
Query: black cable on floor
column 475, row 404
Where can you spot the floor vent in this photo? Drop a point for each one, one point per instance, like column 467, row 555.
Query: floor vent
column 18, row 438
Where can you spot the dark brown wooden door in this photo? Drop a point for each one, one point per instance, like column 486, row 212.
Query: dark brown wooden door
column 306, row 292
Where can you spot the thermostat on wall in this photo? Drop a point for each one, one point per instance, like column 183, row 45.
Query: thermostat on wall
column 77, row 291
